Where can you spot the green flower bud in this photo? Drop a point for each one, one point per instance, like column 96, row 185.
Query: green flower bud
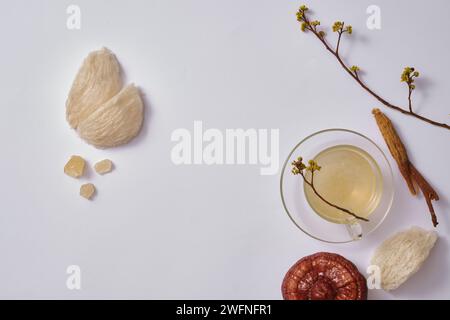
column 303, row 26
column 337, row 26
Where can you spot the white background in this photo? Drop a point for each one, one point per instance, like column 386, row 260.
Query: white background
column 156, row 230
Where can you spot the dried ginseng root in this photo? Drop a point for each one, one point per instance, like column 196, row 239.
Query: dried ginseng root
column 87, row 191
column 75, row 167
column 104, row 166
column 407, row 169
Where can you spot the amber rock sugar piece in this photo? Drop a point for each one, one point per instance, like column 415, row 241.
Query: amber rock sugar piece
column 104, row 166
column 87, row 190
column 75, row 167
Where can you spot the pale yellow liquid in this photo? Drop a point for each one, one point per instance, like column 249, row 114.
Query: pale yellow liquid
column 349, row 178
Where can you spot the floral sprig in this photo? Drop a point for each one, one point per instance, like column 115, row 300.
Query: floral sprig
column 299, row 168
column 355, row 70
column 339, row 27
column 408, row 76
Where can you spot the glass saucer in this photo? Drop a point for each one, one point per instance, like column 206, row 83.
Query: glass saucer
column 296, row 204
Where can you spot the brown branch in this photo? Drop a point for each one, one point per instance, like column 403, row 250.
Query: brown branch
column 409, row 99
column 339, row 39
column 335, row 53
column 311, row 184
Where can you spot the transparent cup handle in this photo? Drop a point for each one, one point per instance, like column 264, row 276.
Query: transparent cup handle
column 354, row 229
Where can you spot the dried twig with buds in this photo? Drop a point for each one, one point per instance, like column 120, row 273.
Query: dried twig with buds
column 298, row 168
column 340, row 28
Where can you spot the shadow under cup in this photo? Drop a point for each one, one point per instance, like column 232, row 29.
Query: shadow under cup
column 297, row 206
